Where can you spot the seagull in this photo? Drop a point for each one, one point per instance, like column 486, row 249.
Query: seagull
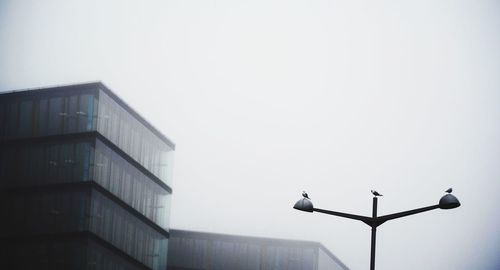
column 304, row 194
column 449, row 190
column 376, row 193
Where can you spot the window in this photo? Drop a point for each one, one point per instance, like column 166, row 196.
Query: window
column 26, row 118
column 56, row 115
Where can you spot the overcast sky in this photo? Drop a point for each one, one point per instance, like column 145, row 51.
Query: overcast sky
column 267, row 98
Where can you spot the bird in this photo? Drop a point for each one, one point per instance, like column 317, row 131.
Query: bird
column 449, row 190
column 304, row 194
column 376, row 193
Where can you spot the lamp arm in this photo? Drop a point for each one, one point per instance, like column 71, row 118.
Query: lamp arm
column 382, row 219
column 367, row 220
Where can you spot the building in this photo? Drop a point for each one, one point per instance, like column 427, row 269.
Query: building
column 85, row 182
column 190, row 250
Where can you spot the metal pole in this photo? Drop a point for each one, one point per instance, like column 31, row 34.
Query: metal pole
column 374, row 234
column 447, row 202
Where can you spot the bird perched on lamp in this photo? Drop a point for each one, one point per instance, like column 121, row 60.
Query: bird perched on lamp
column 376, row 194
column 304, row 194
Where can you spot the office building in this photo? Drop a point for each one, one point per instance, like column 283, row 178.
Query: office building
column 190, row 250
column 85, row 182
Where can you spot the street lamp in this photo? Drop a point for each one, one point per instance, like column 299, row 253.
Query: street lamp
column 448, row 201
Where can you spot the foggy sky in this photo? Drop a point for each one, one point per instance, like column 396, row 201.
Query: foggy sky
column 265, row 99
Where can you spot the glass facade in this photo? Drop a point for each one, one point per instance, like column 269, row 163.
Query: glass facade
column 218, row 254
column 52, row 212
column 132, row 186
column 44, row 212
column 129, row 134
column 84, row 160
column 290, row 258
column 86, row 110
column 61, row 254
column 100, row 258
column 195, row 250
column 74, row 199
column 117, row 226
column 31, row 164
column 48, row 114
column 33, row 255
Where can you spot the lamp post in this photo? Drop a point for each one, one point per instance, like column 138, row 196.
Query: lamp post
column 448, row 201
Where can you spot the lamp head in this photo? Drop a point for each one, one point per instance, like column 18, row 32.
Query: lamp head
column 304, row 205
column 448, row 201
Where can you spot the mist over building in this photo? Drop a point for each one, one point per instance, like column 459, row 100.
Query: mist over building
column 86, row 183
column 190, row 250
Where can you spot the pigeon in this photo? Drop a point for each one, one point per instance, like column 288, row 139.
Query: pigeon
column 304, row 194
column 376, row 193
column 449, row 190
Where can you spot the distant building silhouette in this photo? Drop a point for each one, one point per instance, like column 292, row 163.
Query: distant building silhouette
column 85, row 182
column 190, row 250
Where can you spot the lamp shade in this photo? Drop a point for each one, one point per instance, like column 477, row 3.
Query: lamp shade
column 304, row 205
column 448, row 201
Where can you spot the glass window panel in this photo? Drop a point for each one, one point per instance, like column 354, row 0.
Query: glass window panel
column 85, row 113
column 3, row 115
column 3, row 163
column 136, row 189
column 71, row 114
column 41, row 164
column 41, row 115
column 100, row 258
column 52, row 153
column 56, row 115
column 26, row 118
column 56, row 212
column 31, row 163
column 67, row 161
column 135, row 139
column 43, row 212
column 47, row 114
column 12, row 119
column 114, row 128
column 82, row 164
column 111, row 226
column 46, row 254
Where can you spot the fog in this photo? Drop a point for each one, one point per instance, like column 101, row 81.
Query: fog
column 265, row 99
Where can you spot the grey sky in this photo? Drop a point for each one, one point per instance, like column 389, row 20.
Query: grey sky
column 265, row 99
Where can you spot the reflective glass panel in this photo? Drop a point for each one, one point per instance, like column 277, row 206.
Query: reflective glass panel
column 132, row 186
column 84, row 160
column 56, row 211
column 56, row 115
column 117, row 226
column 134, row 138
column 46, row 163
column 26, row 118
column 41, row 116
column 48, row 114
